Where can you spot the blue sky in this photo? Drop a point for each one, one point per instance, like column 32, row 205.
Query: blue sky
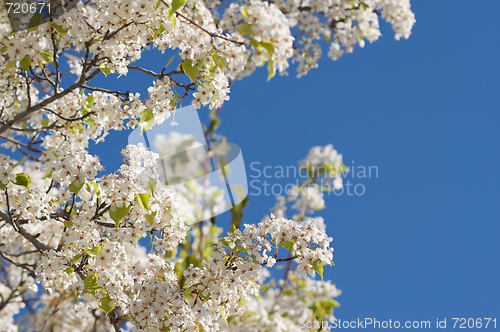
column 423, row 241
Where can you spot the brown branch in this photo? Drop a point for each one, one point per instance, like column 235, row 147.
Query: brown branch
column 35, row 130
column 68, row 119
column 114, row 321
column 100, row 214
column 21, row 230
column 21, row 253
column 147, row 71
column 12, row 294
column 105, row 90
column 29, row 147
column 214, row 35
column 281, row 260
column 24, row 266
column 30, row 110
column 56, row 60
column 56, row 308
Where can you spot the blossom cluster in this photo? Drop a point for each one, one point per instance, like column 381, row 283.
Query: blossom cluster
column 269, row 33
column 94, row 250
column 6, row 174
column 323, row 165
column 93, row 254
column 281, row 309
column 325, row 161
column 306, row 243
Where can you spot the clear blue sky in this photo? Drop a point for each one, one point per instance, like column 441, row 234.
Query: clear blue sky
column 423, row 241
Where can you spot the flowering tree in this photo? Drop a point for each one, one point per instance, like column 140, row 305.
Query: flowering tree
column 69, row 253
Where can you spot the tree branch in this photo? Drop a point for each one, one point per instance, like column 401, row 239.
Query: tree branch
column 114, row 321
column 214, row 35
column 20, row 229
column 39, row 106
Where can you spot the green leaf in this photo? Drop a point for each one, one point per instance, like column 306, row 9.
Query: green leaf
column 77, row 258
column 97, row 191
column 237, row 213
column 188, row 290
column 91, row 280
column 143, row 200
column 332, row 303
column 94, row 251
column 271, row 69
column 269, row 47
column 151, row 237
column 89, row 120
column 151, row 217
column 107, row 304
column 318, row 267
column 151, row 185
column 3, row 186
column 240, row 248
column 68, row 223
column 245, row 29
column 244, row 12
column 58, row 28
column 22, row 179
column 10, row 65
column 69, row 270
column 35, row 21
column 45, row 122
column 323, row 308
column 190, row 70
column 288, row 245
column 117, row 213
column 169, row 61
column 175, row 5
column 90, row 100
column 4, row 49
column 223, row 314
column 105, row 70
column 26, row 63
column 201, row 64
column 47, row 56
column 308, row 59
column 172, row 20
column 147, row 119
column 160, row 30
column 243, row 302
column 23, row 159
column 75, row 186
column 157, row 4
column 206, row 298
column 219, row 61
column 92, row 290
column 172, row 102
column 75, row 295
column 200, row 327
column 17, row 105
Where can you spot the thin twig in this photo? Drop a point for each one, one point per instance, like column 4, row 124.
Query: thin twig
column 214, row 35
